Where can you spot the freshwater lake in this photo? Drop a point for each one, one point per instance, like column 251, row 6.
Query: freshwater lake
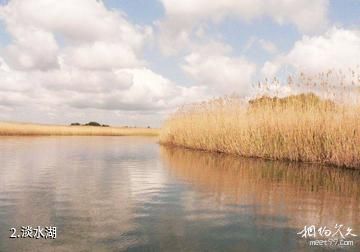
column 130, row 194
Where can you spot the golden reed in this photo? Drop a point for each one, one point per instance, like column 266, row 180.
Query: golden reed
column 296, row 128
column 22, row 129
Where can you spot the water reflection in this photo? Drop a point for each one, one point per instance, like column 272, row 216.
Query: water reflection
column 87, row 187
column 129, row 194
column 279, row 194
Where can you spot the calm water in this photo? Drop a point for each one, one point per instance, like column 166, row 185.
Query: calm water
column 130, row 194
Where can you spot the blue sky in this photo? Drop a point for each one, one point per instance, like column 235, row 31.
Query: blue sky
column 134, row 62
column 139, row 11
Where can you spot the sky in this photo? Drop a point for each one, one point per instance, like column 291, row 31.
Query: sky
column 132, row 62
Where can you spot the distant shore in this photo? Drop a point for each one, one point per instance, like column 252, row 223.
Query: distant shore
column 28, row 129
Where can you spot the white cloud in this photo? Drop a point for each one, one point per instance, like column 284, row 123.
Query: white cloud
column 268, row 46
column 149, row 91
column 182, row 17
column 212, row 66
column 79, row 80
column 92, row 33
column 270, row 69
column 101, row 55
column 71, row 89
column 80, row 20
column 337, row 49
column 32, row 48
column 70, row 56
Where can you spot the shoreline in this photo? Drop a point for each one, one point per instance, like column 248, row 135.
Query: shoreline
column 235, row 155
column 28, row 129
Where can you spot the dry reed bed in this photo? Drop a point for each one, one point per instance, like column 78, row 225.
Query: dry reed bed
column 18, row 129
column 296, row 128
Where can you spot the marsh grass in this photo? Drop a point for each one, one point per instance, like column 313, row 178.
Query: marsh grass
column 301, row 127
column 19, row 129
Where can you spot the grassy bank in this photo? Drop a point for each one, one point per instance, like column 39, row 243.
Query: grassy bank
column 20, row 129
column 296, row 128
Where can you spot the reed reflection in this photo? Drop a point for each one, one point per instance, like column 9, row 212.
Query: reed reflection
column 304, row 193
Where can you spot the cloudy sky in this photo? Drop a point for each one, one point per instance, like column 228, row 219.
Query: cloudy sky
column 133, row 61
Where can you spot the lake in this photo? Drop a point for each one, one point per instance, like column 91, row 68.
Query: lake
column 130, row 194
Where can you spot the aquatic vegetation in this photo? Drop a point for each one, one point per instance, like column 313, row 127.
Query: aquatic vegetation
column 18, row 129
column 305, row 127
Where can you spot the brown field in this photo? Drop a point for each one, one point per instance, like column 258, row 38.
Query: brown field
column 297, row 128
column 22, row 129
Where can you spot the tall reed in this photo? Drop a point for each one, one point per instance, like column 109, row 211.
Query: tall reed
column 298, row 128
